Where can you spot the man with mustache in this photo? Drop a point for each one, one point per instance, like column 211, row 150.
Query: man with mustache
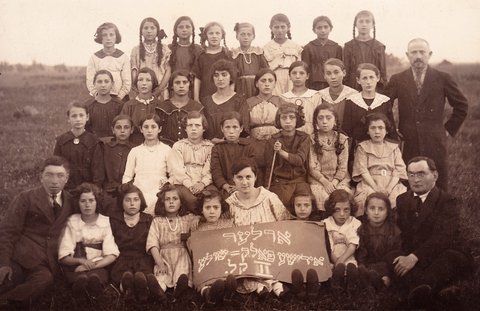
column 421, row 91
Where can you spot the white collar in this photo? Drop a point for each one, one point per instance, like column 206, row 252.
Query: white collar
column 346, row 92
column 358, row 100
column 423, row 197
column 145, row 101
column 308, row 93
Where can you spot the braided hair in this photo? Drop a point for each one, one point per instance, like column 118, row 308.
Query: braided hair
column 364, row 13
column 191, row 49
column 282, row 18
column 317, row 145
column 160, row 35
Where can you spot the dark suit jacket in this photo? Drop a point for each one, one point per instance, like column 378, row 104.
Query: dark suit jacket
column 29, row 232
column 421, row 117
column 434, row 230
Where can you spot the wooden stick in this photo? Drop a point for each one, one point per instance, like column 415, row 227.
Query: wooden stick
column 271, row 171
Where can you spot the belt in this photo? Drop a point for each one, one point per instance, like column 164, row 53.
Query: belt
column 381, row 172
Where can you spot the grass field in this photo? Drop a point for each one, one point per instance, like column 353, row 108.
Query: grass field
column 25, row 142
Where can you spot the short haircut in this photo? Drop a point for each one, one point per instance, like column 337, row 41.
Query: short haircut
column 290, row 108
column 231, row 115
column 337, row 196
column 56, row 161
column 77, row 104
column 102, row 27
column 122, row 117
column 208, row 195
column 299, row 63
column 88, row 188
column 102, row 72
column 151, row 73
column 378, row 116
column 130, row 188
column 224, row 65
column 179, row 73
column 195, row 115
column 367, row 66
column 150, row 116
column 322, row 19
column 334, row 62
column 160, row 205
column 242, row 164
column 430, row 162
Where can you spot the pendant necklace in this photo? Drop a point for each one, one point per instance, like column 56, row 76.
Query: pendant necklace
column 249, row 61
column 176, row 224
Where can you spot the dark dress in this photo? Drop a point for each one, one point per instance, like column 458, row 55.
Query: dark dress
column 203, row 73
column 108, row 175
column 184, row 58
column 224, row 154
column 101, row 117
column 377, row 246
column 171, row 119
column 289, row 176
column 356, row 111
column 214, row 113
column 79, row 151
column 248, row 64
column 137, row 109
column 315, row 54
column 131, row 242
column 356, row 52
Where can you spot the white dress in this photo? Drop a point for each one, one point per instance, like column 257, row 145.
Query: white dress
column 341, row 236
column 279, row 58
column 97, row 239
column 147, row 167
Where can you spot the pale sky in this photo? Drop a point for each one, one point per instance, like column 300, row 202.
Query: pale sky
column 61, row 31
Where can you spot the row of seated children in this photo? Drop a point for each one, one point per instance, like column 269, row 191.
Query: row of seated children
column 184, row 54
column 147, row 255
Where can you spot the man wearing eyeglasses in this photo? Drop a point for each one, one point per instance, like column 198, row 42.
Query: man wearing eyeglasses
column 29, row 234
column 429, row 219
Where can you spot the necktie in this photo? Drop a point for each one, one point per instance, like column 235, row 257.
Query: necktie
column 418, row 205
column 418, row 80
column 56, row 206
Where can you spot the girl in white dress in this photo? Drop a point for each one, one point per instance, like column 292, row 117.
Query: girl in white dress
column 147, row 164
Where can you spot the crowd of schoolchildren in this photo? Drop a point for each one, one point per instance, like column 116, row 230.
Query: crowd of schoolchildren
column 185, row 137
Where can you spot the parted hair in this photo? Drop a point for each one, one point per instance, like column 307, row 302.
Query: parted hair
column 174, row 46
column 337, row 196
column 244, row 163
column 290, row 108
column 160, row 35
column 179, row 73
column 195, row 115
column 151, row 73
column 364, row 13
column 239, row 26
column 231, row 115
column 334, row 62
column 208, row 195
column 317, row 145
column 367, row 66
column 282, row 18
column 321, row 19
column 103, row 72
column 160, row 205
column 130, row 188
column 88, row 188
column 203, row 35
column 98, row 34
column 299, row 63
column 122, row 117
column 150, row 116
column 77, row 104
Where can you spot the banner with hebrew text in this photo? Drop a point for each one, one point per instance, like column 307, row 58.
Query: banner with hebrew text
column 269, row 250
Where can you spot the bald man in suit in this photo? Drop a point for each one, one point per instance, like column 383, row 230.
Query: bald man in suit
column 421, row 92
